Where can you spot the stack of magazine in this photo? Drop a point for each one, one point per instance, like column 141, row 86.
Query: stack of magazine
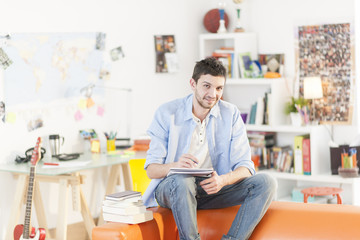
column 125, row 207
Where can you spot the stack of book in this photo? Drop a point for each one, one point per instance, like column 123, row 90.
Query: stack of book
column 125, row 207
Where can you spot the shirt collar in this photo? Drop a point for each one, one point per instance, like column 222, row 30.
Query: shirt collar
column 214, row 111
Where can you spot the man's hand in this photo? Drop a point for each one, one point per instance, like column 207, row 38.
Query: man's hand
column 213, row 184
column 187, row 161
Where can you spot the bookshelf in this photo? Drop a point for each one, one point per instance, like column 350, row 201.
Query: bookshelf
column 244, row 91
column 241, row 42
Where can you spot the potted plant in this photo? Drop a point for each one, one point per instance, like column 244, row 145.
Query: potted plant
column 298, row 110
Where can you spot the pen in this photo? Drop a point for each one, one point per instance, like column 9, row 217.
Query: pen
column 106, row 135
column 51, row 164
column 193, row 161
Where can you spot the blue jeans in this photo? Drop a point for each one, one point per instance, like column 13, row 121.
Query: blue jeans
column 183, row 195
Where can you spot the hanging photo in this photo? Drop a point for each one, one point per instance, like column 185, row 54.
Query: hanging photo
column 166, row 56
column 325, row 51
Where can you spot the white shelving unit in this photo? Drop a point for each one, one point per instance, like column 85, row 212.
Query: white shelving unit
column 244, row 92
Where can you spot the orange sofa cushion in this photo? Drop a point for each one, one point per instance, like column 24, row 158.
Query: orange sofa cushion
column 283, row 220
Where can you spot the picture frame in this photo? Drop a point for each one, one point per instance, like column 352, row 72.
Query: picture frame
column 245, row 65
column 165, row 52
column 272, row 63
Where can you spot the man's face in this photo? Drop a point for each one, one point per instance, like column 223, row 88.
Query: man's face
column 208, row 90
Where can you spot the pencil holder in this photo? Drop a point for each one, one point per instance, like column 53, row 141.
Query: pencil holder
column 110, row 145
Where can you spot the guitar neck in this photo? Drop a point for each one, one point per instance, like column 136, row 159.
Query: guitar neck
column 27, row 225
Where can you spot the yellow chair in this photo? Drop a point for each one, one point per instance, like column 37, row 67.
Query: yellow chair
column 138, row 175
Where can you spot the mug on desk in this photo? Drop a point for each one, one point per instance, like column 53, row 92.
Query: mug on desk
column 54, row 141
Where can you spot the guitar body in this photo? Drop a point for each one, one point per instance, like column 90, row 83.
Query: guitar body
column 38, row 235
column 25, row 231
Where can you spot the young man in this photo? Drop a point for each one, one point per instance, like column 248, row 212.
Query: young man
column 202, row 131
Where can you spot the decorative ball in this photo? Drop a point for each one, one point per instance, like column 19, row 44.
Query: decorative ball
column 212, row 18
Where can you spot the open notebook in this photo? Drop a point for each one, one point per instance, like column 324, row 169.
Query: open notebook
column 191, row 171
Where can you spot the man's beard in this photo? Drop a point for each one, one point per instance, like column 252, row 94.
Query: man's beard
column 202, row 102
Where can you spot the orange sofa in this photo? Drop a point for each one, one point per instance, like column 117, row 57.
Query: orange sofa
column 282, row 221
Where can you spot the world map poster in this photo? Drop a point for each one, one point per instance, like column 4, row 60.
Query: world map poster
column 50, row 66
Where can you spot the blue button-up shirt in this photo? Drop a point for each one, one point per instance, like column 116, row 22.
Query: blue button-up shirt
column 173, row 126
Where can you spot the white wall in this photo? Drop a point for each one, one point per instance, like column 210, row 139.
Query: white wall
column 132, row 25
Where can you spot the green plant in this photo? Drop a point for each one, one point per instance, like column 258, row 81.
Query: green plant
column 291, row 106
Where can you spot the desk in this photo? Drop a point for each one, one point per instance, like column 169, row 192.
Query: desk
column 65, row 177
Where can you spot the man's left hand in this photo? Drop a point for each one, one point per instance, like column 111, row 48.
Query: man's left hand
column 213, row 184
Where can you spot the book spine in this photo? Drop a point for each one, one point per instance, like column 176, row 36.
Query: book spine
column 306, row 156
column 259, row 111
column 298, row 155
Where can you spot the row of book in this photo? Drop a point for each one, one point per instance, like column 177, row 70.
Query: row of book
column 267, row 155
column 226, row 57
column 259, row 111
column 248, row 67
column 125, row 207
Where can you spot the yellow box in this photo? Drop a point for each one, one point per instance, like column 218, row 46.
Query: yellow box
column 110, row 145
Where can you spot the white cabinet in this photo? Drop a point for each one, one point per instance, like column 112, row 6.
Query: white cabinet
column 244, row 92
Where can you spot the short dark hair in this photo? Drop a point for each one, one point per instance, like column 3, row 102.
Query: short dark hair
column 210, row 66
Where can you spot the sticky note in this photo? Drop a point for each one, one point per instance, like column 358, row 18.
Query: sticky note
column 10, row 117
column 82, row 103
column 78, row 115
column 100, row 111
column 90, row 102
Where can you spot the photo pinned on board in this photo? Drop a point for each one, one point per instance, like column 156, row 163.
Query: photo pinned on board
column 2, row 111
column 100, row 41
column 117, row 53
column 5, row 61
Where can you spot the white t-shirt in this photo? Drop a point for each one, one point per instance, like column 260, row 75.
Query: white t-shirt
column 199, row 145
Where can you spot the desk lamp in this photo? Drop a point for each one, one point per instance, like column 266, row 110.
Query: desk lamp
column 313, row 90
column 87, row 92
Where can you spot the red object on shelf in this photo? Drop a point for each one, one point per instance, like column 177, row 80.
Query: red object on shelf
column 212, row 18
column 322, row 191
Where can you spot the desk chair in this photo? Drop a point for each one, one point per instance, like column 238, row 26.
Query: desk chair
column 138, row 175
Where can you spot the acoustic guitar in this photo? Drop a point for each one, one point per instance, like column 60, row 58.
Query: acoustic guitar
column 25, row 231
